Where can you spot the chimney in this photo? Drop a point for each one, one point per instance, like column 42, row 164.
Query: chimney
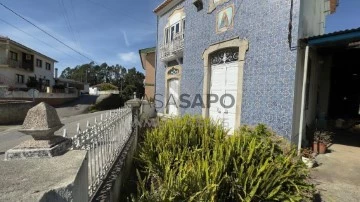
column 56, row 73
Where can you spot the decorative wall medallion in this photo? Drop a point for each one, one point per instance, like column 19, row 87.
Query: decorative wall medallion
column 225, row 56
column 225, row 19
column 214, row 3
column 173, row 71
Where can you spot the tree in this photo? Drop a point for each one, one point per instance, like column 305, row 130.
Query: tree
column 128, row 81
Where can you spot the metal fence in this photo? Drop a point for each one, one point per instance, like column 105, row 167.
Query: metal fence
column 104, row 140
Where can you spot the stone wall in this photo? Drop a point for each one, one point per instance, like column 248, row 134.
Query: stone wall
column 14, row 111
column 270, row 63
column 59, row 179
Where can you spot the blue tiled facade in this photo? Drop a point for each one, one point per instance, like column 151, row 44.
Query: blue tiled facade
column 270, row 64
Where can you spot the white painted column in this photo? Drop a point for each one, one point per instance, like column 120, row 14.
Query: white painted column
column 303, row 98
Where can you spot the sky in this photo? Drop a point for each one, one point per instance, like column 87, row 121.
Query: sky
column 347, row 16
column 110, row 31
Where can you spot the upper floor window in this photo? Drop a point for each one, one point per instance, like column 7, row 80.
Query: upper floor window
column 174, row 30
column 38, row 63
column 48, row 66
column 13, row 56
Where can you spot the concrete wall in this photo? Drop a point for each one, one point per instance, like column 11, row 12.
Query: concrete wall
column 25, row 95
column 53, row 99
column 312, row 17
column 270, row 64
column 8, row 74
column 58, row 179
column 14, row 112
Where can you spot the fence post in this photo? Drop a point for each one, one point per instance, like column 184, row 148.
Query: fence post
column 135, row 104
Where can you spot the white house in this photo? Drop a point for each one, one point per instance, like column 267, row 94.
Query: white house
column 18, row 63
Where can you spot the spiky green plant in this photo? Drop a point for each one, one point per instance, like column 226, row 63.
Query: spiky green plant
column 193, row 159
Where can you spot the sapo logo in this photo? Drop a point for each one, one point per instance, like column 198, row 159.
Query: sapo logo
column 184, row 100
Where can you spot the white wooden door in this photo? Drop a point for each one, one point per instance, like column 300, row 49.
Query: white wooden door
column 224, row 82
column 173, row 97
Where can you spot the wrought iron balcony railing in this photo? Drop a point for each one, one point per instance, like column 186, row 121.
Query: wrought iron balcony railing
column 173, row 49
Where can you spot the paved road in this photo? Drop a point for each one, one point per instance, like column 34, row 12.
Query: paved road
column 70, row 114
column 76, row 107
column 11, row 137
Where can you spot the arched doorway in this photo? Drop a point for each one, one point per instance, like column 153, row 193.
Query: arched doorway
column 224, row 83
column 223, row 76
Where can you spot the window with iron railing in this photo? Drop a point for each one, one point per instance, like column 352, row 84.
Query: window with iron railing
column 174, row 32
column 173, row 42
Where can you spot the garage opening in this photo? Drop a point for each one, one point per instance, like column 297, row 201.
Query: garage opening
column 332, row 101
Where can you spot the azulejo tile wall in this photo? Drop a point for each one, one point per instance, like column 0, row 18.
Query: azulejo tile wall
column 269, row 72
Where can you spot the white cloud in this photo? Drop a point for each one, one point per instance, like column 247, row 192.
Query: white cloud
column 129, row 57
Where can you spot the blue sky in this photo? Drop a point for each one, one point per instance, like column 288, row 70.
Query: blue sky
column 347, row 16
column 109, row 31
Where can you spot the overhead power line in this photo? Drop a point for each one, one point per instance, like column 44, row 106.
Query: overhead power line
column 47, row 33
column 53, row 47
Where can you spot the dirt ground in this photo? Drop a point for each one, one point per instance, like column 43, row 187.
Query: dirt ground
column 337, row 177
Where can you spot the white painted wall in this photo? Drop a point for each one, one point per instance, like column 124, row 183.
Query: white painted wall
column 9, row 75
column 42, row 72
column 93, row 90
column 23, row 94
column 312, row 17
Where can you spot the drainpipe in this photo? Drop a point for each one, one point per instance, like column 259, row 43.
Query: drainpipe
column 303, row 98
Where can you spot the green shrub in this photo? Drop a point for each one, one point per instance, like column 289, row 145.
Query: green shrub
column 32, row 82
column 193, row 159
column 106, row 87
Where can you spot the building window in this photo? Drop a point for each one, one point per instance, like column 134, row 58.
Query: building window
column 13, row 56
column 38, row 63
column 48, row 66
column 47, row 82
column 20, row 78
column 175, row 31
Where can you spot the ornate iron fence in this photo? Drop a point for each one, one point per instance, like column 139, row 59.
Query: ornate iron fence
column 104, row 142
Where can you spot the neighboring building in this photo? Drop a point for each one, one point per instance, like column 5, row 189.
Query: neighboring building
column 147, row 57
column 248, row 50
column 71, row 84
column 18, row 63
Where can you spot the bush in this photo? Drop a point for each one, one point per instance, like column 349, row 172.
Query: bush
column 192, row 159
column 111, row 101
column 59, row 87
column 32, row 82
column 106, row 86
